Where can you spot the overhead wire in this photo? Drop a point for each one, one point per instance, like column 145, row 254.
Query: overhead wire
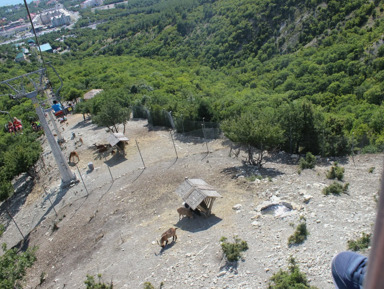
column 34, row 32
column 37, row 41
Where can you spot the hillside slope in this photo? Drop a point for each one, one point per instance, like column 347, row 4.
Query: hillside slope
column 112, row 228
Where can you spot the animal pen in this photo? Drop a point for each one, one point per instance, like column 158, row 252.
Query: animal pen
column 198, row 195
column 119, row 141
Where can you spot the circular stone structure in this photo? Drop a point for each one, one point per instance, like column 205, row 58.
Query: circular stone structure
column 277, row 209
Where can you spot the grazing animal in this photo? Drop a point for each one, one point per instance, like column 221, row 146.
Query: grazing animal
column 102, row 147
column 171, row 232
column 72, row 155
column 81, row 140
column 184, row 212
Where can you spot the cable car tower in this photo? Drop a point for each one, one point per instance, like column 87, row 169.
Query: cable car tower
column 30, row 85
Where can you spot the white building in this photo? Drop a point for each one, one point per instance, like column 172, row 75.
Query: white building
column 53, row 17
column 91, row 3
column 61, row 20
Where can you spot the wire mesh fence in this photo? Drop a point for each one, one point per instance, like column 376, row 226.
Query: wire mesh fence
column 19, row 224
column 185, row 126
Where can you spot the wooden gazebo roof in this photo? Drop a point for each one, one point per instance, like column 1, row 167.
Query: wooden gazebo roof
column 198, row 194
column 115, row 138
column 92, row 93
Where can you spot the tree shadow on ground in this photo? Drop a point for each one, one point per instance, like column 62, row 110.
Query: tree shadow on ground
column 198, row 223
column 59, row 196
column 100, row 128
column 116, row 159
column 23, row 244
column 14, row 204
column 281, row 158
column 329, row 161
column 251, row 171
column 230, row 266
column 82, row 124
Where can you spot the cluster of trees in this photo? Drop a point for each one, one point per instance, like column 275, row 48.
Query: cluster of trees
column 299, row 75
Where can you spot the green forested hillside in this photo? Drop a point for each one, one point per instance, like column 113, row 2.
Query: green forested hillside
column 309, row 71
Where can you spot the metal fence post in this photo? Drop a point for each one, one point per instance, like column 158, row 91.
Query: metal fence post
column 82, row 180
column 174, row 146
column 203, row 129
column 137, row 145
column 9, row 214
column 49, row 198
column 110, row 173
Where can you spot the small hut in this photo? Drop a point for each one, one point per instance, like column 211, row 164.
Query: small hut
column 92, row 93
column 119, row 140
column 198, row 195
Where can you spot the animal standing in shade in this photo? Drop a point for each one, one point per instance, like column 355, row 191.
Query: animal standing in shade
column 184, row 212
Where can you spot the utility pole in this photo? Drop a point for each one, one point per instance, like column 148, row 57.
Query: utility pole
column 67, row 176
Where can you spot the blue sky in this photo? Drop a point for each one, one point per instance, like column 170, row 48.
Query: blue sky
column 12, row 2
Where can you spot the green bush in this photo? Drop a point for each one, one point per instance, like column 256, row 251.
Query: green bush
column 13, row 266
column 371, row 169
column 308, row 163
column 336, row 189
column 336, row 172
column 299, row 236
column 232, row 251
column 291, row 279
column 91, row 283
column 2, row 229
column 148, row 285
column 253, row 178
column 360, row 244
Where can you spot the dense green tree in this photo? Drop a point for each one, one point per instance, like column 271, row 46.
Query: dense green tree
column 112, row 114
column 13, row 266
column 256, row 132
column 217, row 60
column 73, row 94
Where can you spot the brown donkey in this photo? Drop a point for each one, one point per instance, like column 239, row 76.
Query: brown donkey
column 72, row 155
column 171, row 232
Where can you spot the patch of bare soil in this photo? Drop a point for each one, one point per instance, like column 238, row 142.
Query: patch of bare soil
column 110, row 222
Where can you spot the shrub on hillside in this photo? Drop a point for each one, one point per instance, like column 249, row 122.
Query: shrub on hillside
column 291, row 279
column 148, row 285
column 13, row 266
column 360, row 244
column 232, row 251
column 308, row 162
column 336, row 172
column 92, row 284
column 2, row 229
column 336, row 189
column 300, row 235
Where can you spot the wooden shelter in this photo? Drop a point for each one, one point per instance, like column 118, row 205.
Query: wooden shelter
column 92, row 93
column 119, row 140
column 198, row 195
